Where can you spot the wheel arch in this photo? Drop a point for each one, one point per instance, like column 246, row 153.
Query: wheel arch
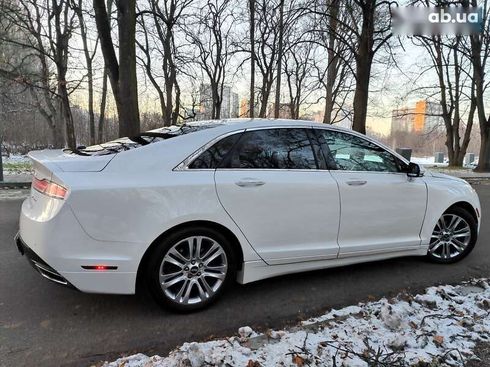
column 466, row 206
column 235, row 243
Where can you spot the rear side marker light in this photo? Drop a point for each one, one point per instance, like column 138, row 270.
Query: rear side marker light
column 99, row 267
column 49, row 188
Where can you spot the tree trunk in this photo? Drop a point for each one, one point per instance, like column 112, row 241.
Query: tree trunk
column 364, row 59
column 277, row 102
column 103, row 101
column 123, row 74
column 90, row 75
column 176, row 112
column 332, row 62
column 363, row 71
column 1, row 162
column 129, row 121
column 252, row 59
column 484, row 158
column 68, row 117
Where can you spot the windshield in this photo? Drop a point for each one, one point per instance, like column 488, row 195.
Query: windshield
column 145, row 138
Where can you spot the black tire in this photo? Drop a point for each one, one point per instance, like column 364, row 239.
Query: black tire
column 155, row 265
column 473, row 227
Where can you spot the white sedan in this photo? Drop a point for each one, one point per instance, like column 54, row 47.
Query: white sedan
column 185, row 210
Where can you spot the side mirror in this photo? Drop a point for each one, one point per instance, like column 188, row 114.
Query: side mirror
column 413, row 170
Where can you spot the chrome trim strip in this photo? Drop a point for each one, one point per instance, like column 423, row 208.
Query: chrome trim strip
column 183, row 166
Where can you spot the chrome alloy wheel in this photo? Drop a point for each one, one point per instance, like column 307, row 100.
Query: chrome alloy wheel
column 450, row 238
column 193, row 270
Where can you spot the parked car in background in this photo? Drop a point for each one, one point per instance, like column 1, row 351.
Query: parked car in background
column 187, row 210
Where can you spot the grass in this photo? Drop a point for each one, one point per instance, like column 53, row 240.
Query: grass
column 17, row 166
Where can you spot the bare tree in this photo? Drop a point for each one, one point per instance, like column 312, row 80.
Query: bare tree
column 48, row 26
column 479, row 51
column 335, row 76
column 89, row 60
column 252, row 58
column 298, row 69
column 455, row 88
column 364, row 27
column 211, row 35
column 280, row 51
column 272, row 36
column 122, row 73
column 158, row 39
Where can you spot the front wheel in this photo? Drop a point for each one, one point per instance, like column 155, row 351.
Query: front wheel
column 189, row 269
column 454, row 236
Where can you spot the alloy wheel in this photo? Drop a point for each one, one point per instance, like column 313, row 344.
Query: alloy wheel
column 450, row 238
column 193, row 270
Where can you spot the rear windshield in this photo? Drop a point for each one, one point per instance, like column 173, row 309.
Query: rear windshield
column 152, row 136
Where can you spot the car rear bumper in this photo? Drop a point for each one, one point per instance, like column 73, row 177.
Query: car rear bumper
column 61, row 251
column 39, row 264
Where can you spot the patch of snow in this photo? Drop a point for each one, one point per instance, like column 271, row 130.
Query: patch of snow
column 423, row 160
column 440, row 326
column 13, row 158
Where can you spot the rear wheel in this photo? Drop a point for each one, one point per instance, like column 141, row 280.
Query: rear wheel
column 190, row 269
column 454, row 236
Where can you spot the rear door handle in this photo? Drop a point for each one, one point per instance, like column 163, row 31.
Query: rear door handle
column 356, row 183
column 249, row 182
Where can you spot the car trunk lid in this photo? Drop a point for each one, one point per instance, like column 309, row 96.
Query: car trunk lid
column 45, row 161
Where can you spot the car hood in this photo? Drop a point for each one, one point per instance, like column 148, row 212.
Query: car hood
column 442, row 175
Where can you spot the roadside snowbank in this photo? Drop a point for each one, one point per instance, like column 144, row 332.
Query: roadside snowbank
column 440, row 326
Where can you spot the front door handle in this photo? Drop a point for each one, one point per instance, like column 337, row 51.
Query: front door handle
column 356, row 183
column 249, row 182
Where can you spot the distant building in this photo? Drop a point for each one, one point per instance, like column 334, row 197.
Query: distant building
column 403, row 120
column 205, row 102
column 284, row 111
column 235, row 105
column 424, row 118
column 244, row 108
column 229, row 103
column 427, row 117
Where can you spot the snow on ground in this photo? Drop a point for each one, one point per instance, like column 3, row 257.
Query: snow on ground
column 14, row 158
column 437, row 328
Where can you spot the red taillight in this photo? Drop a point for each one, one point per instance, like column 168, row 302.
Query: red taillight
column 49, row 188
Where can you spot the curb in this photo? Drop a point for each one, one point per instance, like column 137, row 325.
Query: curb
column 15, row 185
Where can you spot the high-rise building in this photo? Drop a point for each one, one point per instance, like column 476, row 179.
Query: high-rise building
column 403, row 120
column 235, row 105
column 427, row 117
column 229, row 103
column 284, row 111
column 244, row 108
column 205, row 102
column 424, row 118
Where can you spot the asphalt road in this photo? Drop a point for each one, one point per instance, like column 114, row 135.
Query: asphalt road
column 44, row 324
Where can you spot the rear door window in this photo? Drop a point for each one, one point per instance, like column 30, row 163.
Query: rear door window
column 282, row 148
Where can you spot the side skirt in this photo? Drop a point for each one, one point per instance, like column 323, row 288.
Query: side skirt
column 257, row 270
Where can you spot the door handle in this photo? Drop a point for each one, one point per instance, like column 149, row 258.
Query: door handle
column 356, row 183
column 249, row 182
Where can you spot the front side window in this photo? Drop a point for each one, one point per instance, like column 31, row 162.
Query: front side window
column 212, row 157
column 273, row 149
column 352, row 153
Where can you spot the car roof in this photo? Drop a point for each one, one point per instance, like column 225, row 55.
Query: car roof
column 249, row 123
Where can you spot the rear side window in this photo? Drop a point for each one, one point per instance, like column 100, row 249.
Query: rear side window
column 212, row 157
column 273, row 149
